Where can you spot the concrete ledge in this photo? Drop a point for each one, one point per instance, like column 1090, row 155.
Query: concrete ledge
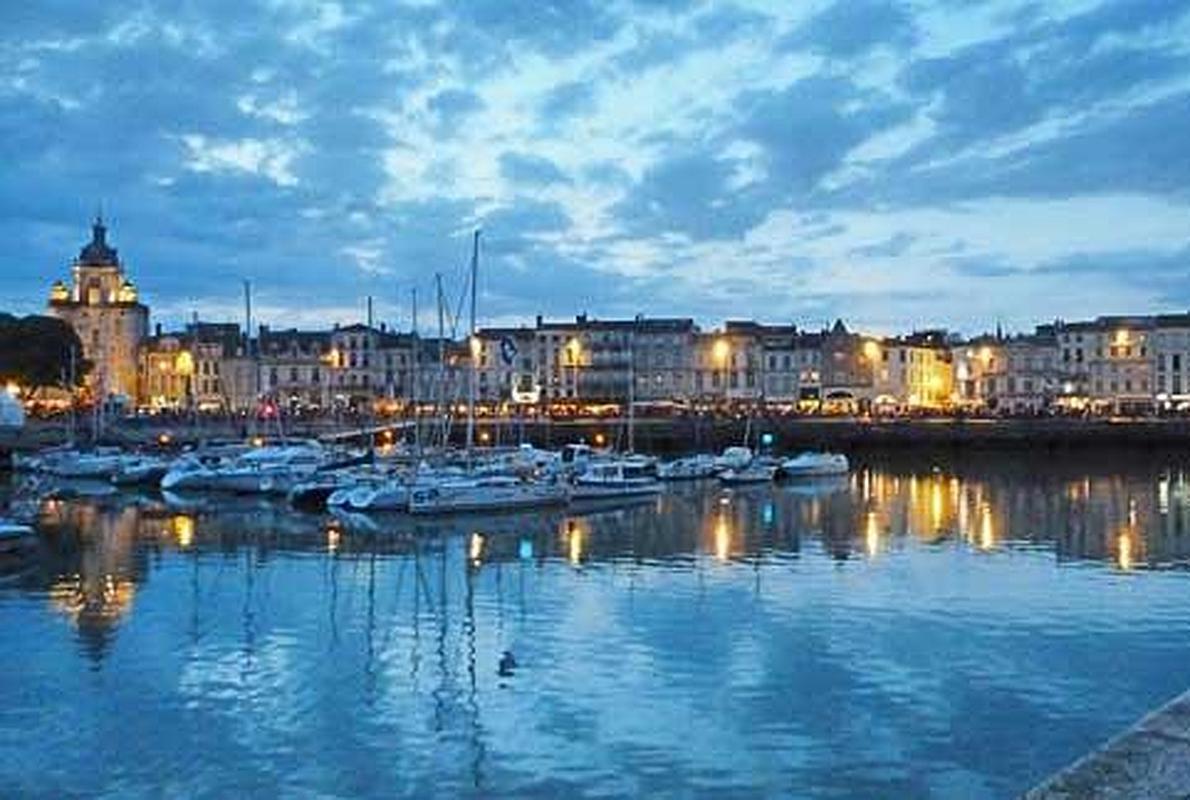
column 1149, row 760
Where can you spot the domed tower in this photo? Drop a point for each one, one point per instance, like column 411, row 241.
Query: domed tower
column 103, row 307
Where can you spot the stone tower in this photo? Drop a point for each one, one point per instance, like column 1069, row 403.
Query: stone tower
column 102, row 306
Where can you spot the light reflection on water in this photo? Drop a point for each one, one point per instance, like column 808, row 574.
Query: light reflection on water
column 898, row 633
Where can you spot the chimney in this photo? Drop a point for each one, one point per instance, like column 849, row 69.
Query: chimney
column 539, row 321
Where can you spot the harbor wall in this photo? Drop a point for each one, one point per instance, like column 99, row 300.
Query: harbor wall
column 674, row 436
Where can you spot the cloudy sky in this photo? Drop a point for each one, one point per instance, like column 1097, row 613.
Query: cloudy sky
column 896, row 163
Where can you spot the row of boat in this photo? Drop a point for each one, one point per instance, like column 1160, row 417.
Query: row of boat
column 313, row 475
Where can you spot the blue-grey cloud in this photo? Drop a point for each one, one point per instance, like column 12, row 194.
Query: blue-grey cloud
column 333, row 152
column 527, row 168
column 850, row 28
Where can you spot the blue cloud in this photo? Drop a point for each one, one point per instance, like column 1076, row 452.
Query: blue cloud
column 234, row 139
column 849, row 28
column 533, row 170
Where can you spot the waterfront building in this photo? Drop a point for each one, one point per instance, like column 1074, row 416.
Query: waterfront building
column 728, row 363
column 183, row 371
column 1109, row 363
column 293, row 369
column 595, row 361
column 913, row 372
column 1171, row 354
column 504, row 369
column 1010, row 375
column 780, row 384
column 370, row 364
column 849, row 361
column 103, row 307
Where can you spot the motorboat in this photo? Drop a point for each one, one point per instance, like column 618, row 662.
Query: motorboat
column 313, row 493
column 735, row 458
column 99, row 464
column 195, row 470
column 809, row 465
column 140, row 471
column 495, row 493
column 755, row 472
column 615, row 479
column 690, row 468
column 263, row 470
column 390, row 495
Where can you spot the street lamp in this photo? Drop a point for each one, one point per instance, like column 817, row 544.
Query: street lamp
column 721, row 351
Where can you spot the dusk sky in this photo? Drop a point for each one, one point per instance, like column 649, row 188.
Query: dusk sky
column 896, row 164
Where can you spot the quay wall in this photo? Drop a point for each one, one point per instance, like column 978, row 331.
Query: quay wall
column 1149, row 760
column 673, row 436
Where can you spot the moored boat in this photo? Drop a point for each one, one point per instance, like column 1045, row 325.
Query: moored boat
column 615, row 479
column 688, row 469
column 756, row 472
column 495, row 493
column 807, row 465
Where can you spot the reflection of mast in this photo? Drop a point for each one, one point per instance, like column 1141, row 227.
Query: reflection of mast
column 248, row 617
column 472, row 685
column 370, row 650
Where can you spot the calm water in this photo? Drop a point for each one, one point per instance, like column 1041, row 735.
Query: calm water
column 909, row 632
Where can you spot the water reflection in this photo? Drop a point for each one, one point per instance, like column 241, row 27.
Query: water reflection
column 763, row 626
column 99, row 548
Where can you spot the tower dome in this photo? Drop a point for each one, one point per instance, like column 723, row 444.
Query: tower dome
column 97, row 252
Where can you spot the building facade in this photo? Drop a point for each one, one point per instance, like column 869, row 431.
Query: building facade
column 102, row 306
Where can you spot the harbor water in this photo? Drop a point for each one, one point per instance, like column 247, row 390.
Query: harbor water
column 921, row 628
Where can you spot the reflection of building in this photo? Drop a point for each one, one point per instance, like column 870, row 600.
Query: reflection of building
column 102, row 306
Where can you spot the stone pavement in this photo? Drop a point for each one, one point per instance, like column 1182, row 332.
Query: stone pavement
column 1150, row 760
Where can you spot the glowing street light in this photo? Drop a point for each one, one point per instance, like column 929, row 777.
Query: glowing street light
column 574, row 351
column 721, row 350
column 184, row 363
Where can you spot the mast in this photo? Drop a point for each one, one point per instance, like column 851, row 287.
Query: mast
column 251, row 354
column 632, row 389
column 472, row 348
column 442, row 409
column 413, row 393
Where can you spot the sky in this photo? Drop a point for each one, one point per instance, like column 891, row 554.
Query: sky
column 897, row 164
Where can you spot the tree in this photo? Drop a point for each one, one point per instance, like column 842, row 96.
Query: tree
column 36, row 351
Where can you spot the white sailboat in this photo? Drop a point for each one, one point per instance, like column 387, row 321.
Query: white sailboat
column 495, row 493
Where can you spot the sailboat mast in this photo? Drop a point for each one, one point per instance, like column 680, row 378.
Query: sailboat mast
column 442, row 409
column 473, row 348
column 632, row 389
column 413, row 393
